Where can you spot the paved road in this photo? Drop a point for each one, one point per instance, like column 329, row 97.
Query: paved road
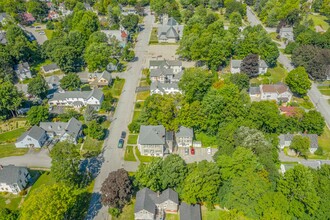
column 314, row 94
column 113, row 156
column 284, row 158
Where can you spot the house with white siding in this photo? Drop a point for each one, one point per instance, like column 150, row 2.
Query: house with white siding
column 13, row 179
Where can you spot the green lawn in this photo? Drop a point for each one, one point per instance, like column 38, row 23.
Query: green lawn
column 8, row 150
column 207, row 141
column 129, row 155
column 92, row 145
column 117, row 87
column 44, row 179
column 303, row 102
column 319, row 20
column 172, row 216
column 324, row 140
column 142, row 95
column 139, row 105
column 12, row 200
column 136, row 115
column 211, row 215
column 144, row 83
column 273, row 35
column 143, row 159
column 127, row 213
column 11, row 136
column 154, row 37
column 325, row 90
column 277, row 74
column 49, row 34
column 132, row 139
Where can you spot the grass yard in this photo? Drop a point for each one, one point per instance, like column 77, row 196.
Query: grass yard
column 319, row 20
column 324, row 140
column 13, row 201
column 37, row 68
column 303, row 102
column 144, row 83
column 207, row 141
column 139, row 106
column 128, row 212
column 92, row 145
column 153, row 36
column 11, row 136
column 277, row 74
column 211, row 215
column 273, row 35
column 143, row 159
column 8, row 150
column 129, row 155
column 44, row 179
column 49, row 34
column 12, row 124
column 132, row 139
column 172, row 216
column 117, row 87
column 142, row 95
column 325, row 90
column 136, row 115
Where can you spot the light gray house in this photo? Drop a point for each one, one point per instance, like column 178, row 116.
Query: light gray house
column 96, row 80
column 184, row 137
column 50, row 68
column 164, row 88
column 190, row 212
column 13, row 179
column 287, row 33
column 53, row 83
column 23, row 71
column 235, row 66
column 34, row 138
column 120, row 35
column 154, row 140
column 150, row 205
column 175, row 65
column 78, row 99
column 3, row 17
column 169, row 31
column 278, row 92
column 3, row 39
column 65, row 131
column 286, row 139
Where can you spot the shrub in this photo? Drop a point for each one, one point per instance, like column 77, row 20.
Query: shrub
column 319, row 151
column 114, row 212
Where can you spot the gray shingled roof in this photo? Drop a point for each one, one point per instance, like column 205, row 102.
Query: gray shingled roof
column 3, row 39
column 2, row 16
column 22, row 67
column 50, row 67
column 35, row 132
column 163, row 86
column 161, row 63
column 172, row 33
column 168, row 194
column 288, row 137
column 145, row 201
column 237, row 64
column 96, row 93
column 57, row 127
column 172, row 22
column 106, row 75
column 161, row 71
column 254, row 90
column 10, row 174
column 150, row 134
column 185, row 132
column 73, row 127
column 190, row 212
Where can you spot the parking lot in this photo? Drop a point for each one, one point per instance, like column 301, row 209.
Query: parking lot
column 200, row 154
column 40, row 38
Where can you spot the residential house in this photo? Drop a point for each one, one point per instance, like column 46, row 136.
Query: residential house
column 287, row 33
column 27, row 18
column 164, row 88
column 235, row 66
column 13, row 179
column 23, row 71
column 120, row 35
column 128, row 11
column 289, row 111
column 169, row 31
column 65, row 131
column 150, row 205
column 53, row 83
column 78, row 99
column 286, row 139
column 3, row 17
column 314, row 164
column 34, row 138
column 155, row 140
column 165, row 71
column 96, row 80
column 190, row 212
column 184, row 137
column 3, row 39
column 53, row 15
column 88, row 7
column 278, row 92
column 63, row 10
column 50, row 68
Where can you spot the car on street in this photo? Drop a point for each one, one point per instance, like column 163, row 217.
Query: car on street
column 120, row 143
column 209, row 150
column 192, row 151
column 123, row 135
column 186, row 151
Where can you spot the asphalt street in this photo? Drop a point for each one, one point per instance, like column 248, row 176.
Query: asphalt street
column 314, row 94
column 113, row 156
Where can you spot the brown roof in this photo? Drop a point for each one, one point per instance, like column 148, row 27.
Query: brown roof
column 288, row 110
column 275, row 88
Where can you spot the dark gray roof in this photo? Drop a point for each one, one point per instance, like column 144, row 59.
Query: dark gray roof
column 96, row 93
column 185, row 132
column 2, row 16
column 161, row 71
column 162, row 86
column 172, row 22
column 50, row 67
column 52, row 81
column 73, row 127
column 150, row 134
column 190, row 212
column 3, row 39
column 288, row 137
column 254, row 90
column 35, row 132
column 11, row 174
column 172, row 33
column 57, row 127
column 167, row 63
column 237, row 64
column 168, row 194
column 145, row 201
column 22, row 67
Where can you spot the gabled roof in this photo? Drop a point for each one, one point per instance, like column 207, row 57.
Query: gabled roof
column 237, row 64
column 145, row 201
column 35, row 132
column 2, row 16
column 105, row 75
column 289, row 137
column 185, row 132
column 96, row 93
column 190, row 212
column 150, row 134
column 73, row 127
column 22, row 67
column 172, row 22
column 161, row 72
column 50, row 67
column 162, row 63
column 11, row 174
column 168, row 194
column 3, row 39
column 278, row 88
column 53, row 80
column 172, row 33
column 163, row 86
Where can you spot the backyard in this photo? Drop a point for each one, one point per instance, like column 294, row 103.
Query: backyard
column 12, row 124
column 10, row 201
column 275, row 75
column 129, row 154
column 143, row 159
column 324, row 89
column 319, row 20
column 127, row 213
column 7, row 143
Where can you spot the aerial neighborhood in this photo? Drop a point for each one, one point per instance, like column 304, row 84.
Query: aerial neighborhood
column 164, row 109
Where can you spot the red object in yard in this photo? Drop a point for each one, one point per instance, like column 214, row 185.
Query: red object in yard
column 192, row 151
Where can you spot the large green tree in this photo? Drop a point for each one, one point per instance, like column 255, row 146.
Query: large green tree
column 298, row 81
column 37, row 114
column 95, row 130
column 70, row 82
column 38, row 87
column 312, row 122
column 10, row 100
column 300, row 144
column 130, row 22
column 38, row 9
column 98, row 56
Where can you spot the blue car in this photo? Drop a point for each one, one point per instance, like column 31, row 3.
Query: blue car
column 121, row 143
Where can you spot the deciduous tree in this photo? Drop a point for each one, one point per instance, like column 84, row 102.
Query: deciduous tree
column 250, row 65
column 38, row 87
column 70, row 82
column 95, row 130
column 37, row 114
column 300, row 144
column 298, row 81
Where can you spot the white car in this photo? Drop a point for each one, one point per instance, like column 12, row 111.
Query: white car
column 209, row 150
column 42, row 33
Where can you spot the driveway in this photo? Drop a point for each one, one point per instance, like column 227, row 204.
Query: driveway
column 35, row 31
column 113, row 156
column 200, row 154
column 314, row 94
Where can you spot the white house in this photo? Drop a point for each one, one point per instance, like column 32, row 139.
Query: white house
column 235, row 66
column 286, row 139
column 169, row 31
column 78, row 99
column 13, row 179
column 23, row 71
column 34, row 138
column 184, row 137
column 175, row 65
column 278, row 92
column 50, row 68
column 164, row 88
column 287, row 33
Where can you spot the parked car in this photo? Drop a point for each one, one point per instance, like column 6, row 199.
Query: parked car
column 186, row 151
column 38, row 27
column 209, row 150
column 42, row 33
column 123, row 135
column 121, row 143
column 192, row 151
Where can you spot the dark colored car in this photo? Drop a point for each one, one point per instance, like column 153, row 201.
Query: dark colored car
column 192, row 151
column 121, row 143
column 123, row 135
